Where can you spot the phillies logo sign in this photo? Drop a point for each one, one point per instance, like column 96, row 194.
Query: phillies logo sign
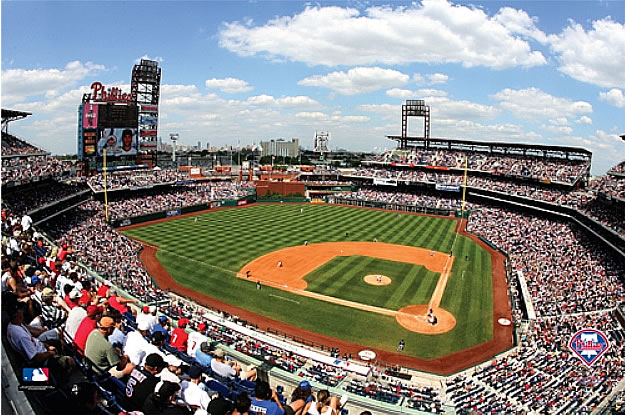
column 100, row 93
column 589, row 345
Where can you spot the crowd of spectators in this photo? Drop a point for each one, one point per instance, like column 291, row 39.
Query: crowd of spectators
column 584, row 200
column 27, row 199
column 560, row 170
column 176, row 197
column 32, row 168
column 404, row 198
column 542, row 375
column 565, row 272
column 618, row 169
column 135, row 178
column 12, row 146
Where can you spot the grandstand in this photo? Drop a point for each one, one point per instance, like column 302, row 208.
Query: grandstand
column 562, row 231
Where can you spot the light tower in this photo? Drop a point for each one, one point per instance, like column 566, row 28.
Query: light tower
column 321, row 143
column 173, row 137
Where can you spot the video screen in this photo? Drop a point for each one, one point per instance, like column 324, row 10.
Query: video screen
column 118, row 142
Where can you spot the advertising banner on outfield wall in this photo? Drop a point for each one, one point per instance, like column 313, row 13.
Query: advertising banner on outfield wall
column 448, row 187
column 384, row 182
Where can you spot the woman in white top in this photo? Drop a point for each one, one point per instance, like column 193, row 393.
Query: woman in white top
column 325, row 404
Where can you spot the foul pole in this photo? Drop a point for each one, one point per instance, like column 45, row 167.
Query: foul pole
column 464, row 187
column 106, row 201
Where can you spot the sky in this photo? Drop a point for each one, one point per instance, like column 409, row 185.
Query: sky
column 236, row 72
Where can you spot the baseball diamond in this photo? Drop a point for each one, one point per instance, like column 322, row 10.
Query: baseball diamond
column 320, row 291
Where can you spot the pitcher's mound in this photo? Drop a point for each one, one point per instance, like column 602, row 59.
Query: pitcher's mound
column 415, row 318
column 377, row 279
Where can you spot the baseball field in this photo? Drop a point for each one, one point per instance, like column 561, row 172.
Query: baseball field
column 356, row 275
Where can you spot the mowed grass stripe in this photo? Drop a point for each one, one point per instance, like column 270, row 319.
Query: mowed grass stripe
column 204, row 255
column 343, row 277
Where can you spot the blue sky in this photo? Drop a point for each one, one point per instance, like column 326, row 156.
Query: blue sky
column 545, row 72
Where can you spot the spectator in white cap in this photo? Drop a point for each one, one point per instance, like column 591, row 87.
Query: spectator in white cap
column 173, row 370
column 136, row 344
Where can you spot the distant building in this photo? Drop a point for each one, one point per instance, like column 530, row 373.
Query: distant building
column 280, row 148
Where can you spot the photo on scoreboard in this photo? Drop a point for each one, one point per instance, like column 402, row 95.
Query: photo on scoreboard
column 118, row 142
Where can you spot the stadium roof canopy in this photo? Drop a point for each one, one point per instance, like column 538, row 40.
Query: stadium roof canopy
column 490, row 146
column 12, row 115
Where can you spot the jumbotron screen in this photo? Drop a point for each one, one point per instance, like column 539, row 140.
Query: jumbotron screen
column 116, row 116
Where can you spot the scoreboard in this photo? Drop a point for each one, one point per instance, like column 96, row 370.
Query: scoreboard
column 114, row 116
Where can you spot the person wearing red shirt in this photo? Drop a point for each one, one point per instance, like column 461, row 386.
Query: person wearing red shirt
column 104, row 289
column 85, row 293
column 118, row 303
column 179, row 337
column 62, row 253
column 87, row 325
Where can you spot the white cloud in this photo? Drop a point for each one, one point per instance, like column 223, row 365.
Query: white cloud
column 18, row 84
column 299, row 101
column 557, row 129
column 429, row 92
column 437, row 78
column 336, row 117
column 533, row 103
column 400, row 93
column 559, row 121
column 584, row 120
column 229, row 85
column 596, row 56
column 357, row 80
column 435, row 31
column 443, row 107
column 613, row 97
column 519, row 22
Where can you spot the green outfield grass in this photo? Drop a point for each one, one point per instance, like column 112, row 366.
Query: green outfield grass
column 206, row 255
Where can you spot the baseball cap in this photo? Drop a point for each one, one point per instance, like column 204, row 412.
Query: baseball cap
column 305, row 385
column 157, row 337
column 201, row 327
column 166, row 388
column 195, row 372
column 74, row 294
column 154, row 360
column 47, row 293
column 107, row 322
column 205, row 347
column 219, row 406
column 219, row 353
column 146, row 309
column 182, row 322
column 143, row 325
column 172, row 360
column 35, row 280
column 92, row 310
column 162, row 319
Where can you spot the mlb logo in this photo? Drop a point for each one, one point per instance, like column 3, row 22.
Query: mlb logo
column 39, row 374
column 589, row 345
